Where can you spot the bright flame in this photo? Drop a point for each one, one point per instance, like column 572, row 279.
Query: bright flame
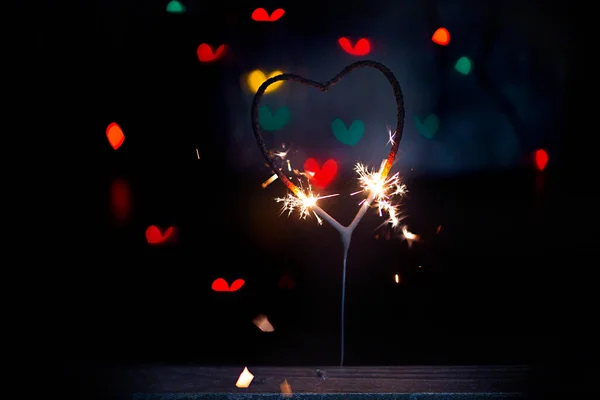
column 383, row 190
column 303, row 203
column 397, row 278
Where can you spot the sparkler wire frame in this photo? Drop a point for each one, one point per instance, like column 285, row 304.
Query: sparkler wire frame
column 345, row 231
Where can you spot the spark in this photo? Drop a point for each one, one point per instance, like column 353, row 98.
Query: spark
column 383, row 191
column 391, row 136
column 409, row 236
column 244, row 379
column 262, row 323
column 282, row 155
column 303, row 203
column 198, row 154
column 269, row 181
column 286, row 389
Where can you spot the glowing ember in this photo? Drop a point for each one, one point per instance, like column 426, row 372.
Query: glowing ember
column 269, row 181
column 263, row 323
column 244, row 379
column 286, row 389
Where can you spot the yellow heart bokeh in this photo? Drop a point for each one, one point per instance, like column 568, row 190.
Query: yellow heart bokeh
column 257, row 77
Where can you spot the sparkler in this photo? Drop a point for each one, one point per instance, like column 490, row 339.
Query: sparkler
column 380, row 189
column 382, row 194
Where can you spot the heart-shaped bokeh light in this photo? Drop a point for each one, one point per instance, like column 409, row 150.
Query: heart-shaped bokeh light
column 261, row 15
column 206, row 54
column 257, row 78
column 361, row 48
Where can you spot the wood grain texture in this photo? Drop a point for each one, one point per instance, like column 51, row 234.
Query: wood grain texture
column 171, row 380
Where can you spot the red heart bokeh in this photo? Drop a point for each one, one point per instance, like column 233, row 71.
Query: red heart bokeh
column 261, row 15
column 541, row 159
column 221, row 285
column 205, row 53
column 361, row 48
column 321, row 177
column 155, row 236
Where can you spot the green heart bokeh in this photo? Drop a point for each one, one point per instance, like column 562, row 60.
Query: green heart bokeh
column 348, row 136
column 175, row 7
column 270, row 122
column 429, row 126
column 463, row 65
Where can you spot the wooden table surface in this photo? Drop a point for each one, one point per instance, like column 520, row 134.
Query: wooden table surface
column 420, row 382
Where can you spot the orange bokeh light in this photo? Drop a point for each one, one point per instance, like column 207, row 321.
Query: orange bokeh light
column 115, row 135
column 441, row 36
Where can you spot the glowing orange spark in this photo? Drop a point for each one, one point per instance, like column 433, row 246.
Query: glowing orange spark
column 269, row 181
column 263, row 323
column 244, row 379
column 286, row 389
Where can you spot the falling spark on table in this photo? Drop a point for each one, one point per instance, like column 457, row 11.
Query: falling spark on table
column 286, row 389
column 244, row 379
column 383, row 191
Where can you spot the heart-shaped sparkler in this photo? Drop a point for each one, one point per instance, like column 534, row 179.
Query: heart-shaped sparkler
column 345, row 231
column 324, row 86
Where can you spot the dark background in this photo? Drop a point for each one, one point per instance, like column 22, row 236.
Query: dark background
column 489, row 287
